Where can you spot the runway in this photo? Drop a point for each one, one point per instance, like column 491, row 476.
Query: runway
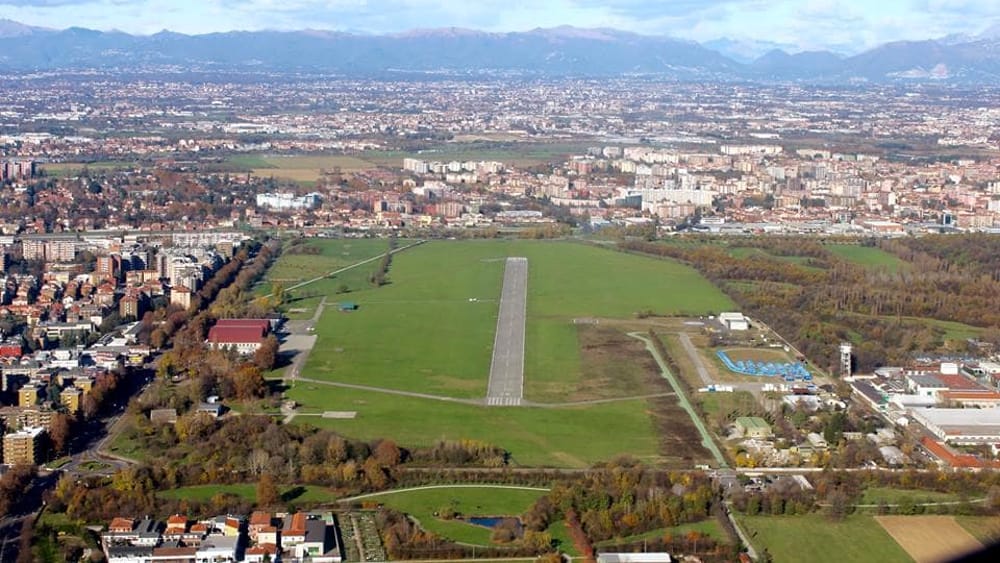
column 506, row 386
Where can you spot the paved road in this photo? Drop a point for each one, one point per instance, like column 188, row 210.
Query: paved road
column 506, row 387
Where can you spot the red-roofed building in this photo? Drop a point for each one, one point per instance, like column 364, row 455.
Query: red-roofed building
column 243, row 335
column 259, row 553
column 121, row 525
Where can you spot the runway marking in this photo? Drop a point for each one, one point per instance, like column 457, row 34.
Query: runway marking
column 506, row 385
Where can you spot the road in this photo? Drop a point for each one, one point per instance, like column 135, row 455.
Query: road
column 506, row 386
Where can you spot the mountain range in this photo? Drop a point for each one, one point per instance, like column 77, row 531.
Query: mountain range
column 560, row 51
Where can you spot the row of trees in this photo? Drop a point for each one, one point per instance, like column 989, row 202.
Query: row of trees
column 829, row 299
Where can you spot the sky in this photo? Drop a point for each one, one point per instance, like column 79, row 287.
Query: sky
column 844, row 25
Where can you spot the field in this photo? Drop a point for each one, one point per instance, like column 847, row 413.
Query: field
column 511, row 153
column 758, row 354
column 814, row 538
column 872, row 258
column 390, row 343
column 986, row 529
column 424, row 505
column 431, row 334
column 536, row 437
column 303, row 168
column 930, row 538
column 876, row 495
column 708, row 527
column 65, row 169
column 301, row 494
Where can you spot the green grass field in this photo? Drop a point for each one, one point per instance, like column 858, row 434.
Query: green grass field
column 68, row 169
column 535, row 437
column 869, row 257
column 426, row 332
column 876, row 495
column 424, row 504
column 390, row 342
column 292, row 494
column 294, row 266
column 814, row 538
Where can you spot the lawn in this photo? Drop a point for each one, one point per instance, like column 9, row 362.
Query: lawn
column 869, row 257
column 814, row 538
column 292, row 494
column 487, row 501
column 535, row 437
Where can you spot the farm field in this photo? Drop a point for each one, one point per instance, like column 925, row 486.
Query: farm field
column 929, row 539
column 298, row 168
column 814, row 538
column 300, row 494
column 423, row 505
column 869, row 257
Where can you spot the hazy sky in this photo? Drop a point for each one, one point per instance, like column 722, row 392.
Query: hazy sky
column 845, row 24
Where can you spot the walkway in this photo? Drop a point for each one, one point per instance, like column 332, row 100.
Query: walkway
column 706, row 437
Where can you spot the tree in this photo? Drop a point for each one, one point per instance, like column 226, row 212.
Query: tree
column 59, row 432
column 387, row 453
column 267, row 491
column 249, row 382
column 266, row 356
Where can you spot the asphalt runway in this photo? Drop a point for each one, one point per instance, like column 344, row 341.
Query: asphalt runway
column 506, row 387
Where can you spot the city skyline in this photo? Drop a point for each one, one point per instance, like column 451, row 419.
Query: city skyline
column 848, row 26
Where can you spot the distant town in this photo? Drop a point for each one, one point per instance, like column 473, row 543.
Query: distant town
column 627, row 320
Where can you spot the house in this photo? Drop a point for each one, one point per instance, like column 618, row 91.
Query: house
column 261, row 552
column 243, row 335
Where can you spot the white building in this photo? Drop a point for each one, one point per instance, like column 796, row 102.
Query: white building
column 734, row 321
column 288, row 201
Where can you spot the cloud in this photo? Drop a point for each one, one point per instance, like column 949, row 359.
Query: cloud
column 850, row 25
